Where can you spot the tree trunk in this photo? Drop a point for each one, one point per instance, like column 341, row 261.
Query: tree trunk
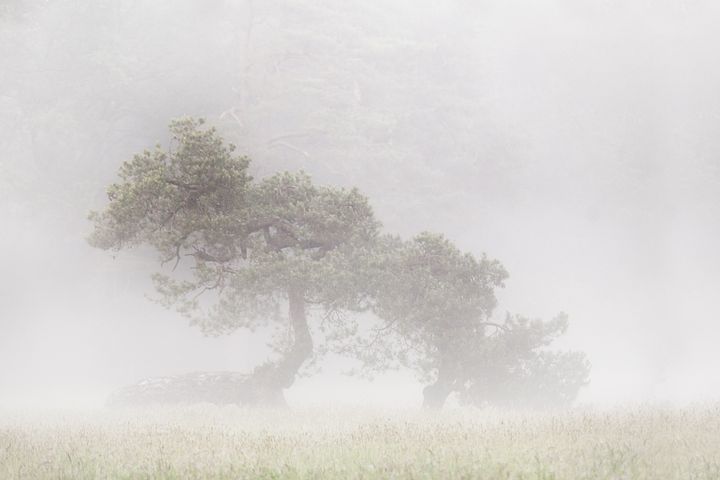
column 264, row 387
column 272, row 378
column 302, row 347
column 435, row 394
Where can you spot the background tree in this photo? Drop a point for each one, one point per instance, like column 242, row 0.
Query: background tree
column 433, row 302
column 252, row 245
column 514, row 368
column 435, row 305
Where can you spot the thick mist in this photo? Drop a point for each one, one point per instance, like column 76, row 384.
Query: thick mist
column 575, row 141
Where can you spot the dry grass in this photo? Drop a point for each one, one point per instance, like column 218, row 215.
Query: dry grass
column 234, row 443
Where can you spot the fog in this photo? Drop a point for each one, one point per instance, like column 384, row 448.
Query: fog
column 575, row 141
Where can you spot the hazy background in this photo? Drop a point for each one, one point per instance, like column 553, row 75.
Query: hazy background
column 575, row 140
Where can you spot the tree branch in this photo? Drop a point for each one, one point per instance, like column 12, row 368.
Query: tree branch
column 496, row 325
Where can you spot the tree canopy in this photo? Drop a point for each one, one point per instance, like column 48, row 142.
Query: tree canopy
column 514, row 367
column 252, row 245
column 237, row 250
column 435, row 305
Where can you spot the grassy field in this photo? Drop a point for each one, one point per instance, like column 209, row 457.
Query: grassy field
column 234, row 443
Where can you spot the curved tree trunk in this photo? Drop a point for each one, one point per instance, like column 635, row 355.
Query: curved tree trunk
column 281, row 374
column 264, row 387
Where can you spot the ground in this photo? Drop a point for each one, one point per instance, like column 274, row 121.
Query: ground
column 235, row 443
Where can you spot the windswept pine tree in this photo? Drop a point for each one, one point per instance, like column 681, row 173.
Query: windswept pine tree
column 238, row 252
column 435, row 304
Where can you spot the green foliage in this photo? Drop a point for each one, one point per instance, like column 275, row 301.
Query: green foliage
column 514, row 368
column 248, row 242
column 430, row 298
column 435, row 305
column 250, row 245
column 192, row 195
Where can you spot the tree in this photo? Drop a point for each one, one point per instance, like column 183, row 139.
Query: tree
column 252, row 245
column 435, row 305
column 513, row 368
column 433, row 301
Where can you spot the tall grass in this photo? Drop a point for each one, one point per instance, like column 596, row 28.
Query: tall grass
column 235, row 443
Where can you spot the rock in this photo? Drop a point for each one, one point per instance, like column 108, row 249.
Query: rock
column 220, row 388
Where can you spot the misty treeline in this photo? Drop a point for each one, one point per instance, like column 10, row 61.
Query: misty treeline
column 259, row 248
column 296, row 83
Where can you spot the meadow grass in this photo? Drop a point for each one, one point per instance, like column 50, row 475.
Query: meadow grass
column 234, row 443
